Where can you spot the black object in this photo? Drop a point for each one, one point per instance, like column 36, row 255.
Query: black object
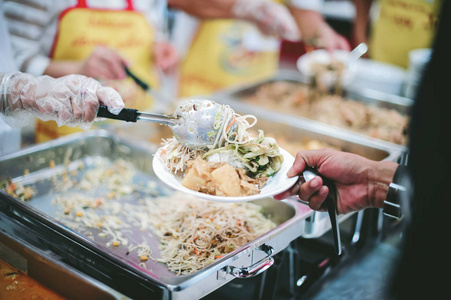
column 126, row 114
column 392, row 203
column 331, row 207
column 138, row 81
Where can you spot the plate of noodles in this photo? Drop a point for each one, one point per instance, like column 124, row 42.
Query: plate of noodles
column 274, row 185
column 238, row 164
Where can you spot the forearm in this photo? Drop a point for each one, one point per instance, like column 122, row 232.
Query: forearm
column 310, row 23
column 3, row 78
column 205, row 9
column 58, row 69
column 380, row 177
column 361, row 21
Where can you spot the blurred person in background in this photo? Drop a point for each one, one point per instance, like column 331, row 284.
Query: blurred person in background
column 227, row 42
column 393, row 28
column 71, row 100
column 6, row 57
column 316, row 32
column 92, row 38
column 421, row 187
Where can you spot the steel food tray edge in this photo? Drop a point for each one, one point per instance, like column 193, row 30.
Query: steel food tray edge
column 115, row 270
column 380, row 99
column 45, row 267
column 231, row 96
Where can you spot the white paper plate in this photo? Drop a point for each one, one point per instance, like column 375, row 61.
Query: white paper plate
column 275, row 184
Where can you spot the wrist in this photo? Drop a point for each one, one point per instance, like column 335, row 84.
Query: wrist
column 6, row 86
column 310, row 23
column 3, row 80
column 58, row 69
column 381, row 175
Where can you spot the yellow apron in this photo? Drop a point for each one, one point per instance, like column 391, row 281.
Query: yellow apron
column 218, row 57
column 81, row 29
column 402, row 26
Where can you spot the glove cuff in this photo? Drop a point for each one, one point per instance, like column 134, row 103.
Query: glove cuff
column 4, row 92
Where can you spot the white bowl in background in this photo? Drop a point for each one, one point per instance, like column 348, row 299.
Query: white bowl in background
column 380, row 76
column 418, row 60
column 322, row 56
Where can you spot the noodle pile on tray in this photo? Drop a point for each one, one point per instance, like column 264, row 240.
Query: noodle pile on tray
column 107, row 201
column 194, row 232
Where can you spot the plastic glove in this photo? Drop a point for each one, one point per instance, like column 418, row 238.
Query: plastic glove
column 271, row 18
column 71, row 100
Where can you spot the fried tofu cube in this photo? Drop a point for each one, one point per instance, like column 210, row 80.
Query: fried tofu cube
column 227, row 180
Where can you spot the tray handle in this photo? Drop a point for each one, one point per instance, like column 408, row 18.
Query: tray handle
column 255, row 269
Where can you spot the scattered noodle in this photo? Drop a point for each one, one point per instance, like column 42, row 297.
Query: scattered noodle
column 194, row 232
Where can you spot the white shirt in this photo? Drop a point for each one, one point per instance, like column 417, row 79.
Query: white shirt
column 7, row 64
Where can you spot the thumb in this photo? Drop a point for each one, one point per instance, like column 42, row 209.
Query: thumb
column 111, row 98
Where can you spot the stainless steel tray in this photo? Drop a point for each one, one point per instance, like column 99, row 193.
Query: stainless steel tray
column 113, row 266
column 44, row 267
column 235, row 97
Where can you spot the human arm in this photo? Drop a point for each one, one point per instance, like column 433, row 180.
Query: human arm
column 33, row 26
column 361, row 183
column 214, row 9
column 71, row 100
column 316, row 32
column 165, row 55
column 361, row 21
column 102, row 63
column 270, row 17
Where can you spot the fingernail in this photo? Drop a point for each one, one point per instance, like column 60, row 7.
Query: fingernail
column 323, row 191
column 314, row 183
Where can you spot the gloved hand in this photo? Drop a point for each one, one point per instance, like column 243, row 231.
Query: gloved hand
column 271, row 18
column 71, row 100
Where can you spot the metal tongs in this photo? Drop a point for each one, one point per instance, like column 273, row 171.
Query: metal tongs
column 133, row 115
column 193, row 122
column 330, row 202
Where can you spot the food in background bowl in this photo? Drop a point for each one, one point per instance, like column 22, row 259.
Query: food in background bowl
column 326, row 69
column 379, row 76
column 296, row 98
